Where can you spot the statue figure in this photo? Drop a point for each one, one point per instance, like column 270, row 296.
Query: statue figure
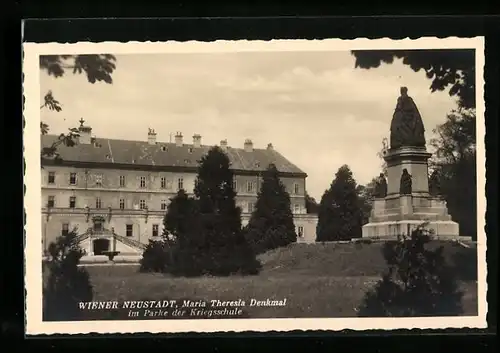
column 435, row 183
column 381, row 187
column 405, row 183
column 407, row 128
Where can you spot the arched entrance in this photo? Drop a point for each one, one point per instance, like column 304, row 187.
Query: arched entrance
column 100, row 246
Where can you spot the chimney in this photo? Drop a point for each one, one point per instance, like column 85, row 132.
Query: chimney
column 151, row 137
column 196, row 140
column 178, row 139
column 270, row 146
column 85, row 133
column 248, row 145
column 223, row 145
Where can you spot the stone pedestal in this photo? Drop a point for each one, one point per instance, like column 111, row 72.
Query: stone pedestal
column 400, row 214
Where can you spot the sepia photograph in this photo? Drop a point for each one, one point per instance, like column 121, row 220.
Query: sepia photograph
column 254, row 186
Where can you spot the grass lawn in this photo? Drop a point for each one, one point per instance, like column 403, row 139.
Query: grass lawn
column 318, row 280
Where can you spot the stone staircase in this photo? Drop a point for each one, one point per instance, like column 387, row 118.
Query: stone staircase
column 127, row 241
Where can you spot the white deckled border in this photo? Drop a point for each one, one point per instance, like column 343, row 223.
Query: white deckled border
column 32, row 179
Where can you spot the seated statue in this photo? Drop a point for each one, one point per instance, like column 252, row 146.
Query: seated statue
column 407, row 128
column 405, row 183
column 381, row 187
column 435, row 184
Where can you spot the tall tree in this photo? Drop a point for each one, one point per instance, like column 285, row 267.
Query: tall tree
column 340, row 216
column 271, row 223
column 455, row 158
column 174, row 251
column 453, row 68
column 97, row 68
column 223, row 247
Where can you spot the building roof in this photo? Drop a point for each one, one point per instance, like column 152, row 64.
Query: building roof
column 142, row 153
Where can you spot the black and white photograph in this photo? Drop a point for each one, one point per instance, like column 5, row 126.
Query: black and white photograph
column 218, row 186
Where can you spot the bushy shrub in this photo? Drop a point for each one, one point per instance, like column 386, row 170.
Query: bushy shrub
column 418, row 282
column 67, row 284
column 157, row 257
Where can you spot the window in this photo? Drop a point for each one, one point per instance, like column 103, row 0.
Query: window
column 65, row 229
column 250, row 185
column 142, row 204
column 296, row 188
column 98, row 180
column 296, row 208
column 122, row 181
column 98, row 202
column 155, row 230
column 51, row 202
column 72, row 202
column 300, row 231
column 163, row 204
column 163, row 182
column 129, row 230
column 180, row 183
column 122, row 204
column 52, row 178
column 143, row 182
column 235, row 185
column 250, row 207
column 72, row 178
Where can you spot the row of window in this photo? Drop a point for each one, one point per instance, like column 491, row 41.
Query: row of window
column 164, row 182
column 129, row 230
column 51, row 203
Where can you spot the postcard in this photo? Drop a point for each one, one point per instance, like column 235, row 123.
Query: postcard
column 254, row 186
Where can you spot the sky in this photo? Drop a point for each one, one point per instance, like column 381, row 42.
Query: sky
column 316, row 108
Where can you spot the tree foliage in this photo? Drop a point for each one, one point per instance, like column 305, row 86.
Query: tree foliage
column 455, row 158
column 66, row 284
column 202, row 234
column 222, row 248
column 340, row 216
column 365, row 197
column 418, row 282
column 453, row 68
column 271, row 224
column 169, row 253
column 312, row 205
column 96, row 68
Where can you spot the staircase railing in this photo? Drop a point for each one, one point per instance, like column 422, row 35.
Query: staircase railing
column 130, row 242
column 82, row 237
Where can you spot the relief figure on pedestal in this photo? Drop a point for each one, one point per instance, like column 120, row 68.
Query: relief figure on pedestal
column 407, row 127
column 435, row 184
column 381, row 187
column 405, row 183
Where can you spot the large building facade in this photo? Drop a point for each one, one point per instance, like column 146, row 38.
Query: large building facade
column 116, row 192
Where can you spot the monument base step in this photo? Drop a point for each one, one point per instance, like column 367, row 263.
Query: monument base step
column 419, row 217
column 446, row 230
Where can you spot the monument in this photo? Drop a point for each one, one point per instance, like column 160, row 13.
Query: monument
column 404, row 202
